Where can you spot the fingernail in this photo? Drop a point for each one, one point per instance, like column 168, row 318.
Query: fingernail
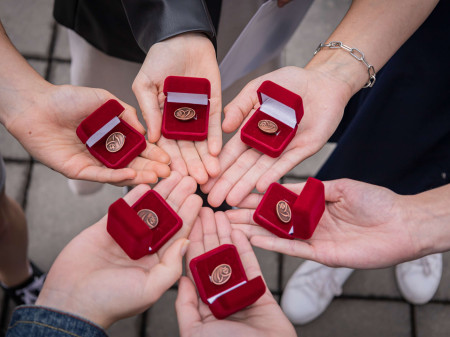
column 184, row 247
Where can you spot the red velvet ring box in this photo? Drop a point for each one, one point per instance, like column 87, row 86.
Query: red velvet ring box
column 236, row 294
column 95, row 129
column 190, row 92
column 306, row 210
column 132, row 234
column 280, row 106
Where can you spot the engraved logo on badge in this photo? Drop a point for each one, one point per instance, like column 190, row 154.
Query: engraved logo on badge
column 149, row 217
column 221, row 274
column 283, row 211
column 115, row 142
column 184, row 114
column 267, row 126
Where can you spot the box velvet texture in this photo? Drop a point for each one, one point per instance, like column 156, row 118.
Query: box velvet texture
column 132, row 233
column 234, row 295
column 95, row 129
column 191, row 92
column 281, row 106
column 306, row 209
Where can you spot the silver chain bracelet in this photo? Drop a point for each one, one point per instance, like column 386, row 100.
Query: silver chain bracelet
column 356, row 53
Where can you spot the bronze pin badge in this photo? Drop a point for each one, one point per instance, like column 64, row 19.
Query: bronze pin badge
column 149, row 217
column 283, row 211
column 221, row 274
column 267, row 126
column 115, row 142
column 184, row 114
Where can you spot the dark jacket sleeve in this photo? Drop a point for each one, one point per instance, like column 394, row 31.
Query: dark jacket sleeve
column 152, row 21
column 39, row 321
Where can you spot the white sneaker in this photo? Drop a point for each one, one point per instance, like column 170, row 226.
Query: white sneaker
column 311, row 289
column 418, row 280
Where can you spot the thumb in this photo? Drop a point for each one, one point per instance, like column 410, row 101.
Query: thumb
column 149, row 104
column 186, row 306
column 239, row 108
column 167, row 271
column 335, row 189
column 129, row 115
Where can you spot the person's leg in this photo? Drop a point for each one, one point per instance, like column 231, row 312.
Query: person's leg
column 93, row 68
column 21, row 279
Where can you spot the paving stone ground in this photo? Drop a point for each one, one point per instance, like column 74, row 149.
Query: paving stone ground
column 371, row 304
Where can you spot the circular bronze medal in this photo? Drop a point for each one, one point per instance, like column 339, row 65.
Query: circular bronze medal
column 115, row 142
column 267, row 126
column 221, row 274
column 184, row 114
column 283, row 211
column 149, row 217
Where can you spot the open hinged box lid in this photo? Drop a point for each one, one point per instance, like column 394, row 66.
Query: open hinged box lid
column 235, row 294
column 132, row 234
column 306, row 210
column 281, row 106
column 95, row 129
column 191, row 92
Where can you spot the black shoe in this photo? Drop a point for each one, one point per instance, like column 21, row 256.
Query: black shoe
column 28, row 291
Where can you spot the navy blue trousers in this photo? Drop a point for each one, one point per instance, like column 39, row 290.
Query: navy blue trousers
column 397, row 134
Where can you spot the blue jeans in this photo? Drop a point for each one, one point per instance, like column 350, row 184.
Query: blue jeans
column 39, row 321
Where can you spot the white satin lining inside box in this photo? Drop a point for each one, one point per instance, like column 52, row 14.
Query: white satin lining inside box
column 104, row 130
column 182, row 97
column 278, row 110
column 215, row 297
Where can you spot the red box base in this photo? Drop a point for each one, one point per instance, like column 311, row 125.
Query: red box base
column 195, row 129
column 306, row 210
column 134, row 141
column 271, row 144
column 234, row 300
column 132, row 234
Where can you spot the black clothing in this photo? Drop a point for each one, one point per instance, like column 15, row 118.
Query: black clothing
column 128, row 28
column 397, row 134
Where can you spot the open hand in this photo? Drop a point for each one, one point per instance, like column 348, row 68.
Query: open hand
column 243, row 168
column 95, row 279
column 189, row 54
column 46, row 127
column 263, row 318
column 362, row 227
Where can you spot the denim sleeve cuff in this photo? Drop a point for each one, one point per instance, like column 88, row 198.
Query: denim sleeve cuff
column 39, row 321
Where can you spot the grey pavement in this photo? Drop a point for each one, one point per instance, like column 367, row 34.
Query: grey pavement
column 371, row 304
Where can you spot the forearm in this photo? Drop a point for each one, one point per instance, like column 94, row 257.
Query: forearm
column 377, row 28
column 428, row 214
column 20, row 84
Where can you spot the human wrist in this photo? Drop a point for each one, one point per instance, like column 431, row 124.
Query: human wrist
column 21, row 99
column 428, row 216
column 340, row 65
